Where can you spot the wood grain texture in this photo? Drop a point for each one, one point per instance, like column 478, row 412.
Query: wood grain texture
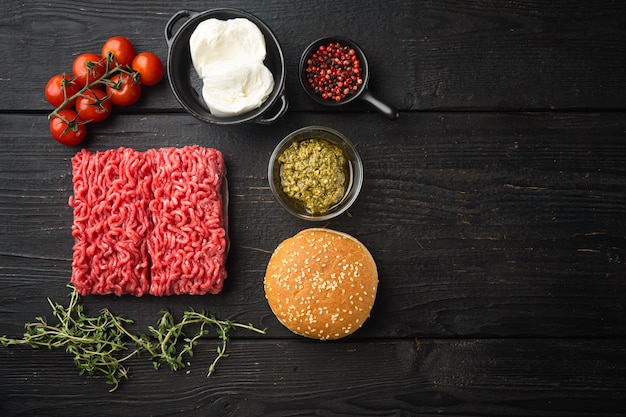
column 495, row 208
column 521, row 377
column 481, row 224
column 424, row 55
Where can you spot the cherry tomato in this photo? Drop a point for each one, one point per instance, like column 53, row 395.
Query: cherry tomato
column 124, row 90
column 121, row 48
column 94, row 106
column 88, row 67
column 149, row 67
column 68, row 128
column 60, row 87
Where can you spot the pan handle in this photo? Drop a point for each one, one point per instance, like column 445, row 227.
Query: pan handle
column 173, row 20
column 283, row 108
column 388, row 110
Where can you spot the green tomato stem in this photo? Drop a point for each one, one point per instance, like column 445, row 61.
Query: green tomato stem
column 104, row 79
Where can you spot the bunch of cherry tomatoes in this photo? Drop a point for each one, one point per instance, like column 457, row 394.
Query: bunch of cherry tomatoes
column 98, row 82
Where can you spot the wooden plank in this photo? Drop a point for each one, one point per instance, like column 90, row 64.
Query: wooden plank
column 495, row 208
column 516, row 377
column 461, row 54
column 482, row 224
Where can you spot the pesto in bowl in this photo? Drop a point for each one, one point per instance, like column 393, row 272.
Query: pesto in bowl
column 315, row 173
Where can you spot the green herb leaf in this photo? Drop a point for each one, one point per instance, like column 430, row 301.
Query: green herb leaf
column 102, row 344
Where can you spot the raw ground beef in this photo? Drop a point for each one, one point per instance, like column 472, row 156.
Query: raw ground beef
column 149, row 222
column 111, row 222
column 187, row 245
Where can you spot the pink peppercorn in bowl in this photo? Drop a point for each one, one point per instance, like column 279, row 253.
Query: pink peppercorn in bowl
column 334, row 72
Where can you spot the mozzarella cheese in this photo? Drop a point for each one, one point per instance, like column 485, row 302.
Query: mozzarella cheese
column 228, row 56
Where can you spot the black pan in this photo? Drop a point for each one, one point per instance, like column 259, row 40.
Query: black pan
column 187, row 86
column 363, row 93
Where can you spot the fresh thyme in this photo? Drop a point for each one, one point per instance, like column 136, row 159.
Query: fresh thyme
column 102, row 344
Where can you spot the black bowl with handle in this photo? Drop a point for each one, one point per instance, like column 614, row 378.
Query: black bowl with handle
column 362, row 93
column 187, row 85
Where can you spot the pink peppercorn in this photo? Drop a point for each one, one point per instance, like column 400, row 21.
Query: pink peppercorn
column 333, row 71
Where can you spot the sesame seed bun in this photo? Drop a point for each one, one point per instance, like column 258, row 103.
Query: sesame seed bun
column 321, row 283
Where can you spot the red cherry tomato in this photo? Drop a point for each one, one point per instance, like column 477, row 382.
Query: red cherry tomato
column 59, row 88
column 67, row 128
column 149, row 67
column 121, row 48
column 124, row 90
column 88, row 67
column 93, row 106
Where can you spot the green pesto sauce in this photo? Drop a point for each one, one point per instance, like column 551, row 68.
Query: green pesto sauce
column 314, row 173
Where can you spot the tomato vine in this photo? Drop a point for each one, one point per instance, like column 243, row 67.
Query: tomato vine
column 112, row 71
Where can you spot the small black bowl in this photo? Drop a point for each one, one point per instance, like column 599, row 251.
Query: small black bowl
column 363, row 93
column 187, row 86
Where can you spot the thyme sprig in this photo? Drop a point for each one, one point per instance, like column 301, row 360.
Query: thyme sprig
column 103, row 344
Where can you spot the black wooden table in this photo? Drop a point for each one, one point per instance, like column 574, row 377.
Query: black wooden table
column 495, row 207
